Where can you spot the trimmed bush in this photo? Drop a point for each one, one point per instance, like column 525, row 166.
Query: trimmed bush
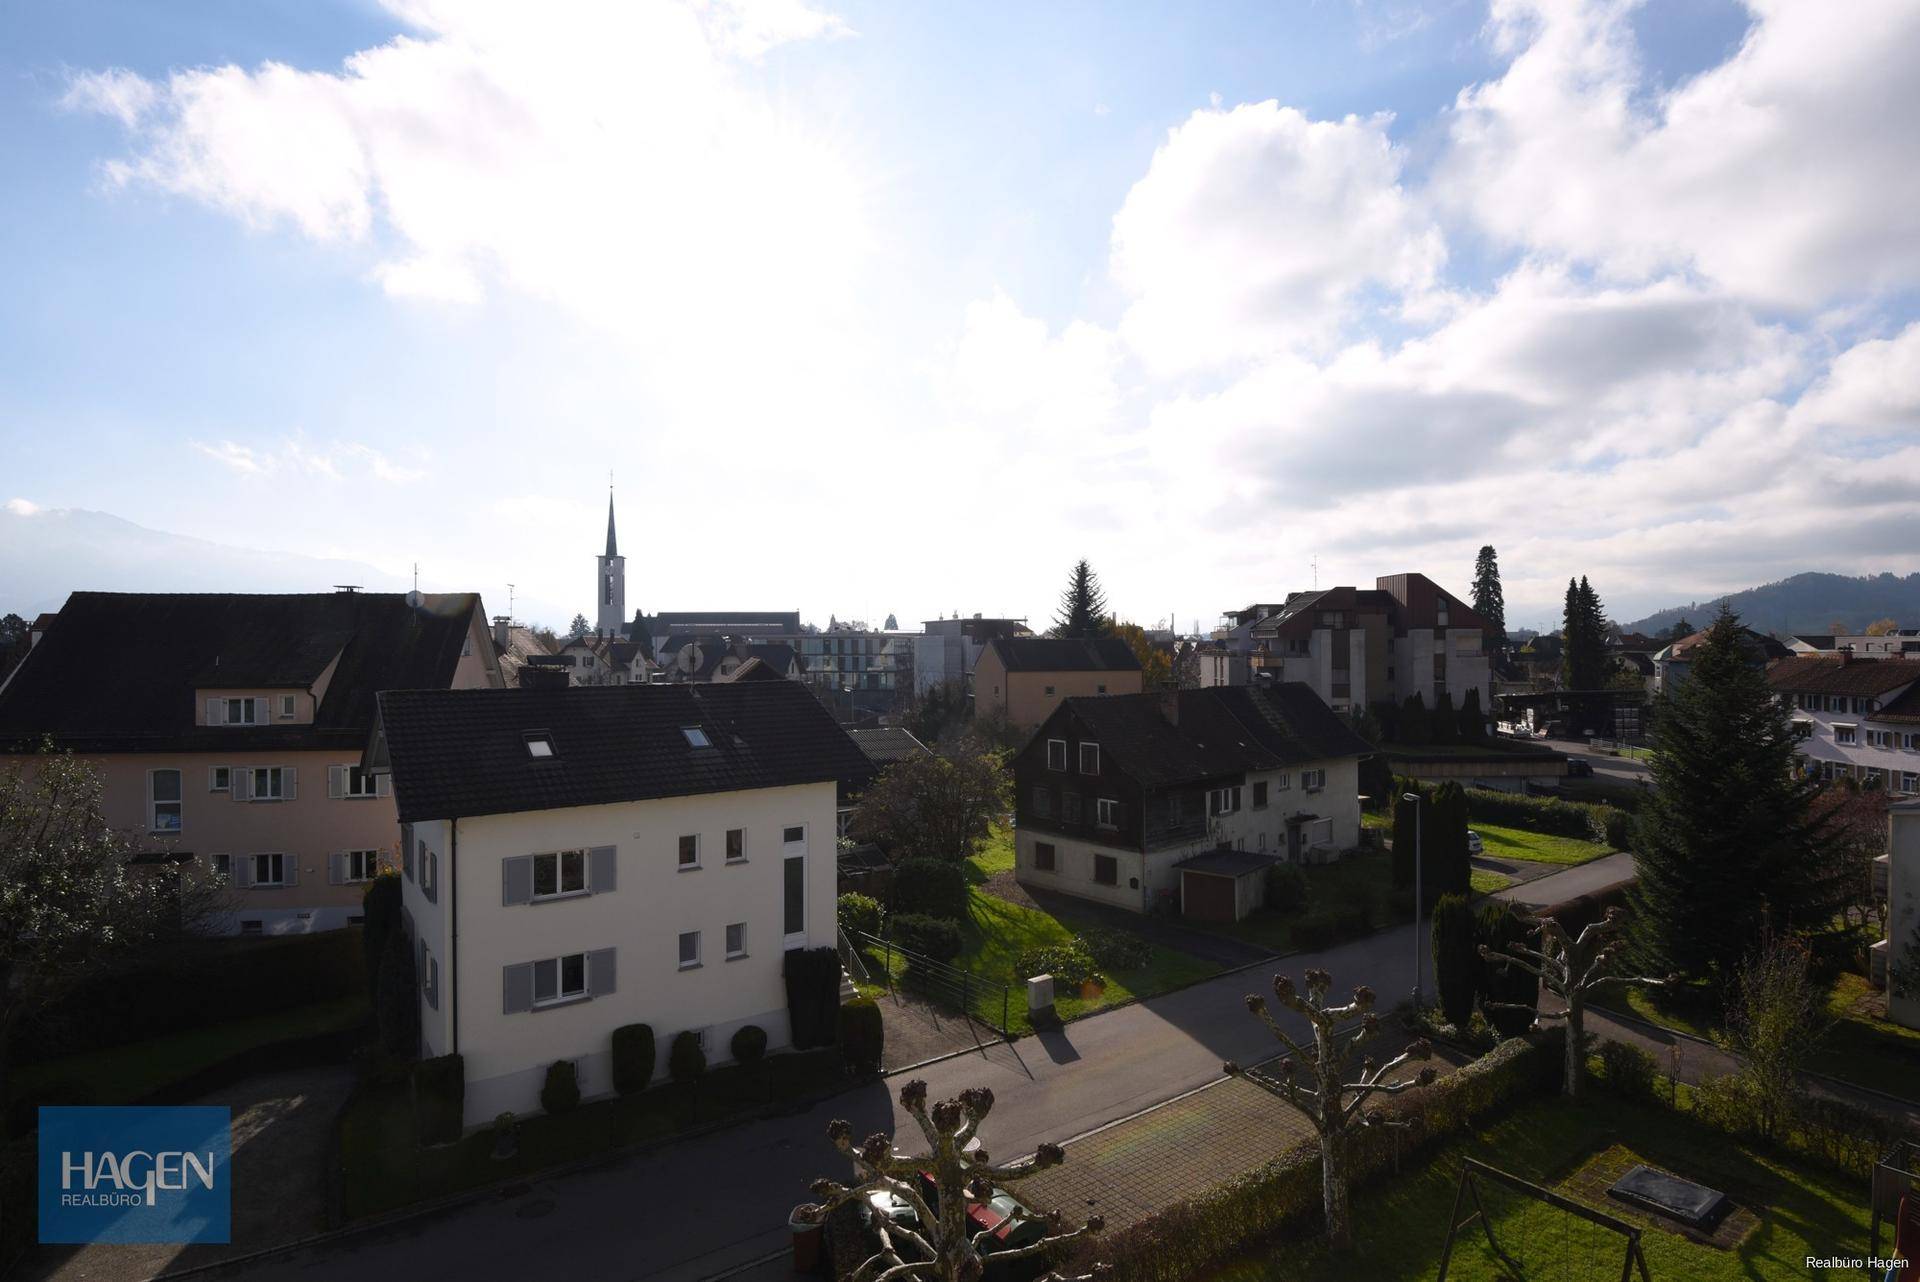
column 1586, row 820
column 859, row 914
column 863, row 1034
column 633, row 1058
column 1498, row 927
column 1113, row 950
column 813, row 994
column 1448, row 867
column 560, row 1093
column 439, row 1099
column 1070, row 964
column 1287, row 888
column 686, row 1062
column 1456, row 963
column 931, row 937
column 1444, row 725
column 931, row 887
column 1628, row 1071
column 749, row 1044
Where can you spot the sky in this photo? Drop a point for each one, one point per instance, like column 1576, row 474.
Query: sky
column 874, row 309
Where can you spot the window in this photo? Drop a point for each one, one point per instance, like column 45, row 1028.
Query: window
column 690, row 851
column 1909, row 782
column 362, row 865
column 1860, row 707
column 163, row 800
column 1100, row 689
column 1089, row 758
column 242, row 712
column 1282, row 781
column 1070, row 807
column 360, row 783
column 555, row 873
column 269, row 870
column 222, row 866
column 1845, row 734
column 1049, row 692
column 1108, row 815
column 1313, row 780
column 1106, row 870
column 1260, row 795
column 1056, row 754
column 736, row 940
column 1223, row 801
column 798, row 832
column 736, row 845
column 429, row 873
column 689, row 949
column 1042, row 801
column 539, row 745
column 696, row 737
column 1910, row 741
column 793, row 916
column 1043, row 857
column 560, row 979
column 220, row 779
column 268, row 784
column 286, row 707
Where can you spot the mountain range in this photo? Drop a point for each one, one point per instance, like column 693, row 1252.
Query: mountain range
column 1805, row 603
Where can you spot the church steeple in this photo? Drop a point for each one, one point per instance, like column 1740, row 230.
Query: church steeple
column 611, row 590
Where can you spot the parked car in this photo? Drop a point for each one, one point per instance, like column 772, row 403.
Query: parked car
column 1474, row 844
column 1578, row 768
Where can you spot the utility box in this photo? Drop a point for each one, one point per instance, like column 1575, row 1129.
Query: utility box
column 1040, row 1010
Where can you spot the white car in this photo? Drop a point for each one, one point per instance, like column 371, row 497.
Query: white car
column 1474, row 844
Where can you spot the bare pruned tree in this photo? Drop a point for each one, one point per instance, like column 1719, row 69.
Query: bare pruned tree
column 1335, row 1106
column 944, row 1247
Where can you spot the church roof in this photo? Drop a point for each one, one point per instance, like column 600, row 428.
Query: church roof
column 612, row 547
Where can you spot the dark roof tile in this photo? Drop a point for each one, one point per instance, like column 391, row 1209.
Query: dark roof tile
column 1055, row 654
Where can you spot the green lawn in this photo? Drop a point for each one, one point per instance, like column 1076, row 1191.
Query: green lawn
column 122, row 1074
column 1860, row 1047
column 382, row 1168
column 995, row 854
column 1485, row 883
column 1519, row 843
column 1401, row 1224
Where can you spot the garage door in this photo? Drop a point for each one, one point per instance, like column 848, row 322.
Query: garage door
column 1207, row 897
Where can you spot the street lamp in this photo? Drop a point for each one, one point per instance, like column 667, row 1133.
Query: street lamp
column 1418, row 899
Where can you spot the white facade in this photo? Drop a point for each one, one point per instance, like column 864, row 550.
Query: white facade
column 1327, row 790
column 625, row 924
column 1842, row 739
column 1903, row 905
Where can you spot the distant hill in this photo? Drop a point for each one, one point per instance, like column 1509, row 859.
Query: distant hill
column 1810, row 602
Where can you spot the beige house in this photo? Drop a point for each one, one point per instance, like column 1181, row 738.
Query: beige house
column 582, row 859
column 1023, row 679
column 229, row 729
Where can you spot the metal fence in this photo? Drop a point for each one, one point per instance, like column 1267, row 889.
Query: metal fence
column 989, row 1001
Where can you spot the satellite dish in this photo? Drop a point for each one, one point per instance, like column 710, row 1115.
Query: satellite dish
column 688, row 660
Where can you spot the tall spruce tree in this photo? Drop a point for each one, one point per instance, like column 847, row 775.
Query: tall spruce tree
column 1489, row 602
column 1726, row 847
column 1583, row 656
column 1083, row 606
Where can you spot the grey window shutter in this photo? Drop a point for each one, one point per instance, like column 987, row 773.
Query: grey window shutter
column 383, row 786
column 430, row 878
column 241, row 783
column 336, row 782
column 291, row 778
column 601, row 862
column 516, row 987
column 433, row 982
column 600, row 971
column 516, row 881
column 242, row 866
column 290, row 864
column 336, row 871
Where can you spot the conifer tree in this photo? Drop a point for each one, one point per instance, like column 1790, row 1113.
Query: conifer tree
column 1083, row 606
column 1449, row 868
column 1488, row 600
column 1473, row 722
column 1456, row 959
column 1583, row 661
column 1416, row 726
column 1444, row 725
column 1726, row 847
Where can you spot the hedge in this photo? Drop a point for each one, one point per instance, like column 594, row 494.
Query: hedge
column 560, row 1093
column 863, row 1034
column 934, row 887
column 439, row 1099
column 813, row 994
column 1587, row 820
column 935, row 938
column 633, row 1058
column 686, row 1062
column 749, row 1044
column 859, row 914
column 1192, row 1238
column 194, row 984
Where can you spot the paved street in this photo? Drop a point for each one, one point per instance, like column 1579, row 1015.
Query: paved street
column 1619, row 769
column 703, row 1206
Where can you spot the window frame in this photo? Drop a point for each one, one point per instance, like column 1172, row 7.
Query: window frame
column 681, row 862
column 685, row 963
column 1084, row 749
column 727, row 940
column 560, row 890
column 1260, row 794
column 561, row 995
column 277, row 774
column 1107, row 813
column 177, row 802
column 289, row 705
column 244, row 703
column 279, row 879
column 349, row 793
column 1061, row 744
column 369, row 861
column 1846, row 735
column 1109, row 863
column 215, row 775
column 1046, row 857
column 736, row 841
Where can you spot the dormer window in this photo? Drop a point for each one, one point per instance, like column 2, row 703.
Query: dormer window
column 696, row 737
column 238, row 712
column 539, row 745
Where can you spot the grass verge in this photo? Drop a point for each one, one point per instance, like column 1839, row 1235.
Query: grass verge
column 1539, row 847
column 1400, row 1226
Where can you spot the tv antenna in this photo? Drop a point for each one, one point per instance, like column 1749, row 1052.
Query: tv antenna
column 509, row 602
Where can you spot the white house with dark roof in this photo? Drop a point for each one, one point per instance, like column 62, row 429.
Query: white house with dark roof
column 1861, row 717
column 581, row 859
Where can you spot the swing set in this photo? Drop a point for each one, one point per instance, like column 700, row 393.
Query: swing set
column 1472, row 1173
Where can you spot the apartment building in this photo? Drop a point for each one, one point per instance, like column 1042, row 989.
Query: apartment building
column 577, row 860
column 1861, row 717
column 229, row 729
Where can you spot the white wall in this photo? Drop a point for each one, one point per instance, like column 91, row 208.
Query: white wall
column 642, row 918
column 1903, row 901
column 1899, row 765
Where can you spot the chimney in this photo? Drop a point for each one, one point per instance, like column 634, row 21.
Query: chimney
column 502, row 625
column 1846, row 654
column 1169, row 705
column 541, row 677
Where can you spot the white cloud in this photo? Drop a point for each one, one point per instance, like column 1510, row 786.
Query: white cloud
column 1785, row 174
column 1255, row 228
column 236, row 458
column 114, row 92
column 22, row 507
column 347, row 461
column 1872, row 387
